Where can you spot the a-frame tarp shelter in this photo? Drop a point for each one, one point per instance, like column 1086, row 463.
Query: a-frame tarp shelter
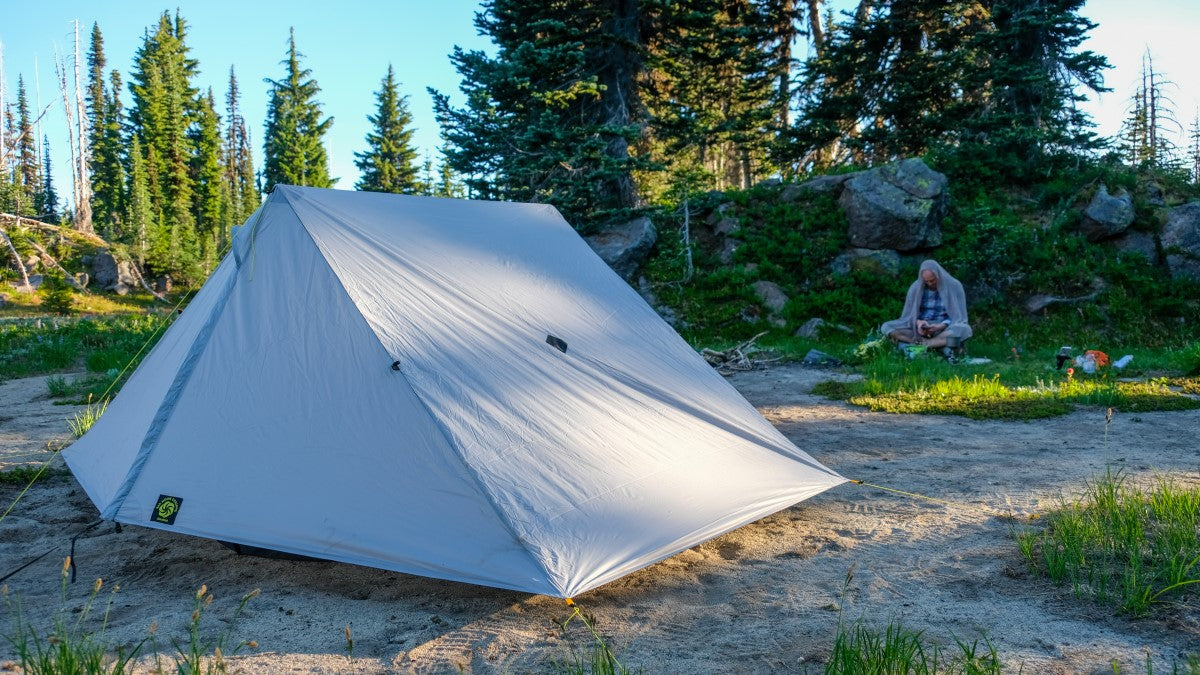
column 450, row 388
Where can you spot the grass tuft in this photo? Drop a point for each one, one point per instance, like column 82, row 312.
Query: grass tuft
column 1121, row 546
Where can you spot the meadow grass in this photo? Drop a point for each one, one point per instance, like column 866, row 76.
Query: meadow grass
column 25, row 475
column 75, row 643
column 44, row 346
column 1119, row 545
column 1014, row 387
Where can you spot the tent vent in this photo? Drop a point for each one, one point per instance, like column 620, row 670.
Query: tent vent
column 557, row 343
column 395, row 365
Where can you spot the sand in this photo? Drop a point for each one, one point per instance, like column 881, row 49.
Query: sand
column 763, row 598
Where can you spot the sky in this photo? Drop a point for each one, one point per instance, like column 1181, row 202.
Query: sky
column 348, row 50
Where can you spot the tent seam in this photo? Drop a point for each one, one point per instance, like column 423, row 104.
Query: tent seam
column 500, row 514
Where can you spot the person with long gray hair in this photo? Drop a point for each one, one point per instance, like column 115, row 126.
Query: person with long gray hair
column 935, row 310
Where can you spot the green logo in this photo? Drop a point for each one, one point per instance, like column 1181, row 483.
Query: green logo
column 166, row 509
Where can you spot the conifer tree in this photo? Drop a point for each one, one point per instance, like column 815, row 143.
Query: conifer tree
column 389, row 162
column 553, row 115
column 238, row 160
column 294, row 148
column 105, row 141
column 1145, row 134
column 207, row 174
column 47, row 196
column 141, row 217
column 165, row 105
column 26, row 177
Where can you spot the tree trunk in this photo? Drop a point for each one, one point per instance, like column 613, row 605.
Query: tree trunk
column 617, row 101
column 17, row 257
column 83, row 207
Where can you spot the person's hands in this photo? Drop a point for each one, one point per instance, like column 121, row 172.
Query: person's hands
column 922, row 326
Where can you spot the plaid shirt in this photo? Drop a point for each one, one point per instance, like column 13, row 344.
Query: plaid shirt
column 933, row 309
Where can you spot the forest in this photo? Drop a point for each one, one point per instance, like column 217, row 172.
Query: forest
column 614, row 109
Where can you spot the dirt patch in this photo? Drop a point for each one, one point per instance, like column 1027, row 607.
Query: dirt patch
column 763, row 598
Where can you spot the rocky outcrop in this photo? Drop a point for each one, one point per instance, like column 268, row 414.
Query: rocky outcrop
column 114, row 275
column 1107, row 215
column 1181, row 241
column 625, row 247
column 898, row 206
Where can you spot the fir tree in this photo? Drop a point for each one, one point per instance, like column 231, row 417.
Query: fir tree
column 294, row 148
column 26, row 176
column 238, row 160
column 47, row 197
column 105, row 141
column 1145, row 134
column 141, row 217
column 207, row 175
column 165, row 104
column 552, row 116
column 389, row 162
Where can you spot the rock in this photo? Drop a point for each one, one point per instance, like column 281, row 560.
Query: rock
column 821, row 184
column 1107, row 215
column 1154, row 195
column 898, row 206
column 1132, row 242
column 82, row 279
column 813, row 327
column 162, row 284
column 769, row 182
column 883, row 261
column 727, row 226
column 625, row 247
column 719, row 213
column 816, row 357
column 31, row 263
column 3, row 299
column 771, row 295
column 725, row 255
column 109, row 274
column 1181, row 241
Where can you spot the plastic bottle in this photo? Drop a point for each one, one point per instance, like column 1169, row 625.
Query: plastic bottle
column 1123, row 361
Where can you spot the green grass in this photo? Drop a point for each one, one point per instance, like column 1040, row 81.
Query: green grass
column 24, row 475
column 44, row 346
column 1013, row 385
column 75, row 642
column 1118, row 545
column 861, row 648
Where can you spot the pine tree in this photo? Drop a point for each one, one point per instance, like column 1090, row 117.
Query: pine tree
column 552, row 116
column 104, row 128
column 1146, row 133
column 389, row 162
column 142, row 218
column 294, row 148
column 207, row 175
column 712, row 86
column 238, row 160
column 47, row 196
column 165, row 105
column 27, row 176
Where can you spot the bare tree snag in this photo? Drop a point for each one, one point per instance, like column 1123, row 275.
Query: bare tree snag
column 20, row 263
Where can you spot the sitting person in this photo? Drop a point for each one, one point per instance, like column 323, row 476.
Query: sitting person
column 934, row 309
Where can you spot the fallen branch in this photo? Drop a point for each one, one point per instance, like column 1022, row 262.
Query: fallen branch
column 142, row 281
column 735, row 359
column 67, row 276
column 22, row 221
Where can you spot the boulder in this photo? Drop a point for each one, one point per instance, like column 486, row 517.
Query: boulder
column 1154, row 195
column 114, row 275
column 821, row 184
column 813, row 327
column 162, row 285
column 1132, row 242
column 1107, row 215
column 771, row 295
column 898, row 206
column 625, row 247
column 727, row 226
column 883, row 261
column 1181, row 241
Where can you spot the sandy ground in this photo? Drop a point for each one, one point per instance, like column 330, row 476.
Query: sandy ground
column 763, row 598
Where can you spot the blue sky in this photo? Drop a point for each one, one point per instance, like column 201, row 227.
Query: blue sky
column 348, row 46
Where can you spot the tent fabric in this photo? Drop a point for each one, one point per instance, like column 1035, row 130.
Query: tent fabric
column 368, row 378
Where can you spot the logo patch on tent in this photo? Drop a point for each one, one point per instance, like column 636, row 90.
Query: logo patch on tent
column 166, row 509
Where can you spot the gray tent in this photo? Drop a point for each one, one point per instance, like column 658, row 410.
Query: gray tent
column 456, row 389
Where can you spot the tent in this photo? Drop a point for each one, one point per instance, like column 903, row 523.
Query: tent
column 449, row 388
